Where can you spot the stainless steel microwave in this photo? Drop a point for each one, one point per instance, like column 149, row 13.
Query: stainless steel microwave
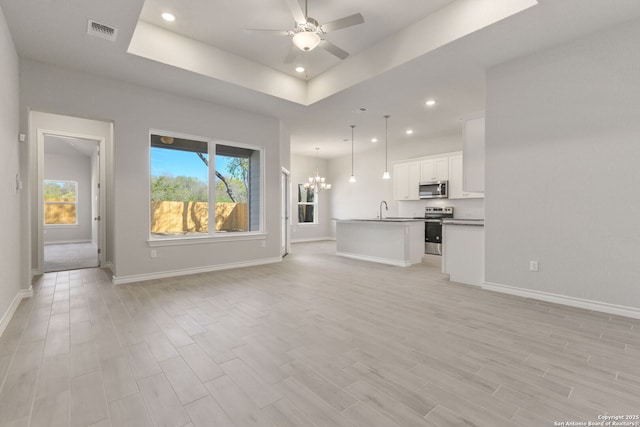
column 434, row 190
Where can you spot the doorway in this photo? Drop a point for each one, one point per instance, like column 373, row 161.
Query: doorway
column 67, row 162
column 71, row 171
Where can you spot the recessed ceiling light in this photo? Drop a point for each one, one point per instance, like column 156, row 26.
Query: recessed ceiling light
column 300, row 69
column 374, row 139
column 409, row 131
column 431, row 102
column 169, row 17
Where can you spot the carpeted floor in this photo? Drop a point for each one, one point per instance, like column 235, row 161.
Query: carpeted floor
column 70, row 256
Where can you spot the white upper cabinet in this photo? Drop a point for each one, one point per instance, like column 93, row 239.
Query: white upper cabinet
column 434, row 169
column 456, row 190
column 473, row 150
column 407, row 178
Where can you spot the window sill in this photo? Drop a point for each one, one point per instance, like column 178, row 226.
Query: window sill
column 307, row 224
column 198, row 240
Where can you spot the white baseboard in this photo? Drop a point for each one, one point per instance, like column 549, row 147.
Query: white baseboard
column 109, row 265
column 603, row 307
column 8, row 315
column 387, row 261
column 66, row 242
column 187, row 271
column 314, row 239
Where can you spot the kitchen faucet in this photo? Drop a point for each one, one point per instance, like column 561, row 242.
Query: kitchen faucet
column 385, row 206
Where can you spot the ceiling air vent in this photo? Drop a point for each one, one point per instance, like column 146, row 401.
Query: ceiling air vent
column 101, row 30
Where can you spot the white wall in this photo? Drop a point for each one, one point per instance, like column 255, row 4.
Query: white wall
column 76, row 167
column 562, row 175
column 10, row 218
column 134, row 110
column 302, row 167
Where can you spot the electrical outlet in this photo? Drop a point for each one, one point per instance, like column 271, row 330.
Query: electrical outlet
column 264, row 244
column 533, row 265
column 154, row 253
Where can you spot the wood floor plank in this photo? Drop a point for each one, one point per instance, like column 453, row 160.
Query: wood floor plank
column 142, row 361
column 206, row 412
column 184, row 382
column 88, row 402
column 311, row 405
column 118, row 378
column 385, row 404
column 258, row 390
column 51, row 410
column 129, row 411
column 202, row 365
column 235, row 403
column 162, row 402
column 363, row 416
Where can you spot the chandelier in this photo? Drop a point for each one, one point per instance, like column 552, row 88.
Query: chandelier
column 317, row 183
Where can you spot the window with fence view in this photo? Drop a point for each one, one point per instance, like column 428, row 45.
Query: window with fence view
column 182, row 199
column 60, row 202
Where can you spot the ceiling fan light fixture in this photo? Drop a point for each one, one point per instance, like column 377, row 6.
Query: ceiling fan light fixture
column 169, row 17
column 306, row 40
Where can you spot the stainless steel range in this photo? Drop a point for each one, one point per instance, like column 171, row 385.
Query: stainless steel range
column 433, row 228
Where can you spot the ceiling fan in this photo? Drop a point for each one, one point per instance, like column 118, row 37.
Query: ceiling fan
column 308, row 33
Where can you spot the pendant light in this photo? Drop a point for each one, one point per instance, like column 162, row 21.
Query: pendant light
column 386, row 174
column 317, row 183
column 352, row 179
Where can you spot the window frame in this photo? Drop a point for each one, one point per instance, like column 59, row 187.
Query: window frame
column 212, row 235
column 45, row 203
column 315, row 208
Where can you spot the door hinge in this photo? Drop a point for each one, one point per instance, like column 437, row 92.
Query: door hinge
column 99, row 251
column 98, row 185
column 98, row 218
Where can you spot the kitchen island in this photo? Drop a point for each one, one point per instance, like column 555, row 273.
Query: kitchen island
column 393, row 241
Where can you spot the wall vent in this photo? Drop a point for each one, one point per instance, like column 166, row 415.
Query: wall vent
column 101, row 30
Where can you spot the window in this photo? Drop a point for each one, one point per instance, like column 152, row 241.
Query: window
column 60, row 202
column 181, row 192
column 307, row 205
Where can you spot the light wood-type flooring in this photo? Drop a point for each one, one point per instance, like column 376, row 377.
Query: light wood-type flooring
column 316, row 340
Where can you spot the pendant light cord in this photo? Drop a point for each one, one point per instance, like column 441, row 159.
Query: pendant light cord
column 386, row 143
column 352, row 127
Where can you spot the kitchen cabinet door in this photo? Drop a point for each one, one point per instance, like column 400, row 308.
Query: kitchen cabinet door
column 407, row 178
column 455, row 180
column 434, row 169
column 473, row 151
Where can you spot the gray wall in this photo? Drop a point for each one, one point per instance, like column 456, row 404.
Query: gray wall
column 10, row 218
column 71, row 168
column 134, row 110
column 562, row 175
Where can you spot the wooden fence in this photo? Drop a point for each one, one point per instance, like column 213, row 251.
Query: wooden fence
column 186, row 217
column 64, row 213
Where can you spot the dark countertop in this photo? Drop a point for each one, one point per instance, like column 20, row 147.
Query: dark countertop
column 463, row 221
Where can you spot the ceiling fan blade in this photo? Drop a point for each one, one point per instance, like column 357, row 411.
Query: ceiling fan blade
column 292, row 55
column 333, row 49
column 341, row 23
column 296, row 11
column 272, row 32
